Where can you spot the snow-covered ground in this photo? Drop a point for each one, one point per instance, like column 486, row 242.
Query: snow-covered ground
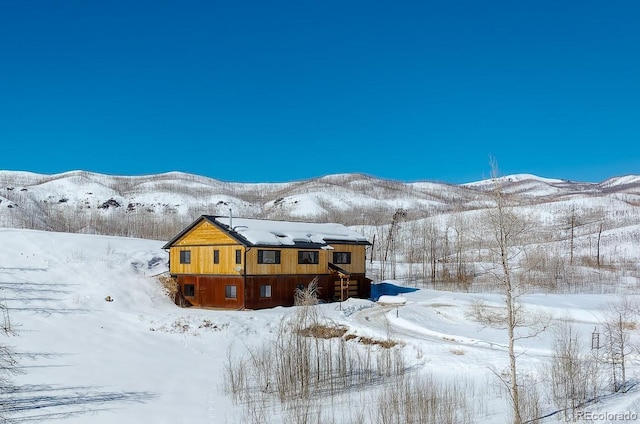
column 141, row 359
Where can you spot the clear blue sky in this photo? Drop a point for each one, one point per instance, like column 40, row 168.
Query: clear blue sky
column 281, row 91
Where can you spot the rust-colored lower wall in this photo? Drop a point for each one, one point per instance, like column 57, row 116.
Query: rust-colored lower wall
column 210, row 290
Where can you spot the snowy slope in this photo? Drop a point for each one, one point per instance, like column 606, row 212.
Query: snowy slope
column 136, row 359
column 38, row 201
column 141, row 359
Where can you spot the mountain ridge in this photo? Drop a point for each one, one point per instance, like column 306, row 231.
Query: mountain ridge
column 82, row 199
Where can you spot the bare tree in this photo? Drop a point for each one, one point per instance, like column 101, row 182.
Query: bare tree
column 573, row 219
column 508, row 232
column 413, row 249
column 506, row 229
column 599, row 264
column 8, row 366
column 430, row 249
column 570, row 372
column 619, row 321
column 390, row 244
column 460, row 228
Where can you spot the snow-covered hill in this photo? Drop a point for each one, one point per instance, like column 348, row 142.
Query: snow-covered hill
column 81, row 201
column 139, row 358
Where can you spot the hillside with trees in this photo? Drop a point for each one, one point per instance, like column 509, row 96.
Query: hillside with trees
column 582, row 235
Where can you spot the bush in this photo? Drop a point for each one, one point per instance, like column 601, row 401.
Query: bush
column 306, row 361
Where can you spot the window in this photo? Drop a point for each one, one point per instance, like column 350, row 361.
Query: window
column 341, row 257
column 189, row 290
column 268, row 256
column 265, row 291
column 230, row 292
column 216, row 256
column 305, row 257
column 238, row 257
column 185, row 256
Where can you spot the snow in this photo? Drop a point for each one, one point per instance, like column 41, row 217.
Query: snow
column 287, row 233
column 392, row 300
column 142, row 359
column 620, row 181
column 515, row 178
column 351, row 198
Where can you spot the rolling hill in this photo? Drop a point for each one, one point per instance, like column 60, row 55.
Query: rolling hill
column 81, row 201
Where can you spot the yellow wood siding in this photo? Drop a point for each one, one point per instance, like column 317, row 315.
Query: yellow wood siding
column 202, row 260
column 201, row 241
column 205, row 234
column 358, row 257
column 204, row 238
column 289, row 261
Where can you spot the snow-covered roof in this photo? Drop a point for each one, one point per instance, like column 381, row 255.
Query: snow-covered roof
column 262, row 232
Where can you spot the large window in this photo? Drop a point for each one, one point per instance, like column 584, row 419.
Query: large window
column 189, row 290
column 216, row 256
column 268, row 256
column 265, row 291
column 341, row 257
column 185, row 256
column 307, row 257
column 231, row 292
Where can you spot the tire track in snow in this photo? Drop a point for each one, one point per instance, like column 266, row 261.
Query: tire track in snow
column 376, row 318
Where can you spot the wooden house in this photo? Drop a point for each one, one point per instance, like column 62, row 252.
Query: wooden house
column 251, row 263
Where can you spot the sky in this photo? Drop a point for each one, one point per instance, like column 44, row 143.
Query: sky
column 255, row 91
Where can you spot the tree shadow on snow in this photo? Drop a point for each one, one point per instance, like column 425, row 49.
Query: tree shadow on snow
column 50, row 311
column 10, row 269
column 22, row 287
column 40, row 402
column 23, row 294
column 22, row 357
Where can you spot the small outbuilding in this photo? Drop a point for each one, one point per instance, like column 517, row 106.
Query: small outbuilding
column 253, row 263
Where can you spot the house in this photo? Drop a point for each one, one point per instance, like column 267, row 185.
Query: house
column 252, row 263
